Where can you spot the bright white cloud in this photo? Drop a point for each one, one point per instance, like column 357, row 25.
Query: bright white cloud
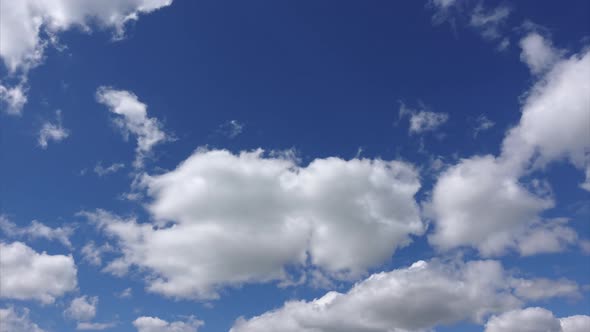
column 12, row 320
column 101, row 170
column 534, row 320
column 52, row 132
column 421, row 120
column 133, row 119
column 480, row 202
column 155, row 324
column 36, row 230
column 28, row 27
column 260, row 214
column 28, row 275
column 418, row 298
column 82, row 308
column 541, row 288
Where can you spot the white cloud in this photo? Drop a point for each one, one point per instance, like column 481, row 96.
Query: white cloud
column 489, row 22
column 482, row 124
column 37, row 230
column 538, row 53
column 260, row 215
column 126, row 293
column 82, row 308
column 536, row 319
column 417, row 298
column 421, row 120
column 231, row 128
column 28, row 27
column 155, row 324
column 481, row 202
column 14, row 98
column 13, row 321
column 88, row 326
column 28, row 275
column 133, row 120
column 52, row 132
column 93, row 254
column 101, row 170
column 541, row 288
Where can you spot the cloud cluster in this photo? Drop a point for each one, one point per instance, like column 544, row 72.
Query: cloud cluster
column 482, row 202
column 28, row 275
column 36, row 230
column 417, row 298
column 259, row 215
column 82, row 308
column 133, row 120
column 12, row 320
column 28, row 27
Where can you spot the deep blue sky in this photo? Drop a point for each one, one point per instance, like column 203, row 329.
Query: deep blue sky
column 322, row 77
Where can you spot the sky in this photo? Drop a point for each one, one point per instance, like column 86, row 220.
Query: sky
column 313, row 166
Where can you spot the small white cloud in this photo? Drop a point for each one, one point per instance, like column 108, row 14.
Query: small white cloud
column 489, row 22
column 82, row 308
column 132, row 119
column 482, row 124
column 534, row 320
column 231, row 128
column 421, row 120
column 89, row 326
column 52, row 132
column 126, row 293
column 13, row 97
column 155, row 324
column 28, row 275
column 36, row 230
column 538, row 53
column 93, row 254
column 101, row 170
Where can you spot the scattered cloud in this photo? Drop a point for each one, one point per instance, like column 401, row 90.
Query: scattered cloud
column 132, row 119
column 36, row 230
column 52, row 132
column 93, row 254
column 231, row 128
column 12, row 320
column 29, row 27
column 155, row 324
column 101, row 170
column 538, row 53
column 482, row 124
column 89, row 326
column 29, row 275
column 422, row 120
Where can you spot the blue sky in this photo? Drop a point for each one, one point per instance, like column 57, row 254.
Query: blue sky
column 294, row 166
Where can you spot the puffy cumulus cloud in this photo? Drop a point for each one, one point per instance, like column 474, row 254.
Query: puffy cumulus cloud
column 541, row 288
column 133, row 120
column 155, row 324
column 12, row 320
column 261, row 214
column 417, row 298
column 82, row 308
column 481, row 202
column 37, row 230
column 534, row 320
column 28, row 275
column 27, row 27
column 52, row 132
column 421, row 120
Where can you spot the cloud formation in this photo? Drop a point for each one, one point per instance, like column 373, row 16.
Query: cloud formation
column 155, row 324
column 36, row 230
column 536, row 319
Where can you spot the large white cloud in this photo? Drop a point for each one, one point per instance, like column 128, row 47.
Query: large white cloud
column 27, row 27
column 481, row 202
column 12, row 320
column 28, row 275
column 535, row 320
column 133, row 120
column 155, row 324
column 417, row 298
column 247, row 217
